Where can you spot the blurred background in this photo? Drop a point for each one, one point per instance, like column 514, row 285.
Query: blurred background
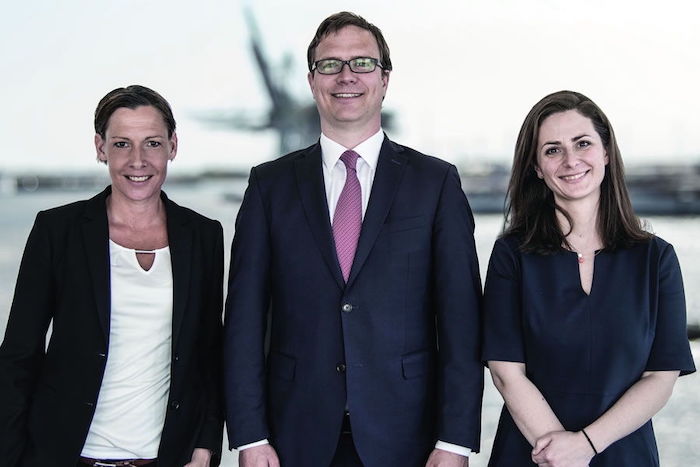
column 465, row 75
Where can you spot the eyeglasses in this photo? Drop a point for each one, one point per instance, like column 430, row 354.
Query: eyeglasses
column 333, row 66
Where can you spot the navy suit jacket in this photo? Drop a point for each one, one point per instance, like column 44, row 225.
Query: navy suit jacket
column 398, row 345
column 48, row 396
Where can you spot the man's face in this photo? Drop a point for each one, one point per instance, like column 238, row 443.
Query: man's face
column 349, row 101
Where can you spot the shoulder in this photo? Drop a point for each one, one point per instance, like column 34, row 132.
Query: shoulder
column 654, row 248
column 72, row 212
column 419, row 159
column 190, row 215
column 509, row 243
column 286, row 162
column 506, row 254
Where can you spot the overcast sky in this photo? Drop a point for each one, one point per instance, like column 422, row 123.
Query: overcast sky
column 465, row 72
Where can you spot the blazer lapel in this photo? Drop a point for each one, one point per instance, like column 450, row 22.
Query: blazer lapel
column 313, row 197
column 96, row 241
column 390, row 167
column 180, row 243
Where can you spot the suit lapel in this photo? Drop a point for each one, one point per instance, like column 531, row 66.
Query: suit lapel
column 313, row 197
column 180, row 243
column 95, row 231
column 390, row 167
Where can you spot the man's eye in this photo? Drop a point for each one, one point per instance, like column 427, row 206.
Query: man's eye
column 120, row 144
column 328, row 65
column 153, row 144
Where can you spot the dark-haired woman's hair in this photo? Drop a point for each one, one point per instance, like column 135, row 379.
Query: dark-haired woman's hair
column 530, row 210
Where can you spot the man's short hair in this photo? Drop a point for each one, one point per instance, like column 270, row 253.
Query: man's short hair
column 131, row 97
column 338, row 21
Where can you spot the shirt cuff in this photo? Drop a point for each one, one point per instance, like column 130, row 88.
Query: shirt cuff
column 453, row 448
column 252, row 445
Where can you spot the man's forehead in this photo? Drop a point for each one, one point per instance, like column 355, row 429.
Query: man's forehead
column 348, row 37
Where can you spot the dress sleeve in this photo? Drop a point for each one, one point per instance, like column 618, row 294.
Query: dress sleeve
column 671, row 349
column 503, row 339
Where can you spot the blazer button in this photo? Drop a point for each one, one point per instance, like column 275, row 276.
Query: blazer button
column 101, row 355
column 347, row 308
column 340, row 368
column 176, row 358
column 174, row 405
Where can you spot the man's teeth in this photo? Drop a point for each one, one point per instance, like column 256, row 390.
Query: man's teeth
column 141, row 178
column 347, row 94
column 569, row 178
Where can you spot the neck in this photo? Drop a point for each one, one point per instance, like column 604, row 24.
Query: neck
column 135, row 214
column 349, row 137
column 583, row 233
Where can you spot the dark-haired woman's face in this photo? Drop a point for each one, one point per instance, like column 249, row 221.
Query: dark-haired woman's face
column 571, row 157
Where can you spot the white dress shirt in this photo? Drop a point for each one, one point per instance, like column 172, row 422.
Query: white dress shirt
column 334, row 174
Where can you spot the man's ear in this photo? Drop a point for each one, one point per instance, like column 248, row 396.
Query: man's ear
column 310, row 79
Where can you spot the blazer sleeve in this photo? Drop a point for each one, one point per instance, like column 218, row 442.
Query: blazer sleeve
column 457, row 300
column 23, row 349
column 212, row 430
column 245, row 322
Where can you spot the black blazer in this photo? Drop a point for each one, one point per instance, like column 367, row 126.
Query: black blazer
column 47, row 397
column 398, row 345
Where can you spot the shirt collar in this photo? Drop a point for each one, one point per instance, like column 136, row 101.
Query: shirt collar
column 368, row 150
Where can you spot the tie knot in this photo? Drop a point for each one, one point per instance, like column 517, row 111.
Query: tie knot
column 349, row 158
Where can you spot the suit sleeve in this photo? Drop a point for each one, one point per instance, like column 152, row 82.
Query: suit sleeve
column 457, row 298
column 212, row 430
column 23, row 349
column 246, row 322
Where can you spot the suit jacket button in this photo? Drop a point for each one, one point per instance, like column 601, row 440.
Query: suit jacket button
column 347, row 308
column 340, row 368
column 176, row 358
column 174, row 405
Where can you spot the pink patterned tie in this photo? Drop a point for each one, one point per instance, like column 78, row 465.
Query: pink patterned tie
column 347, row 219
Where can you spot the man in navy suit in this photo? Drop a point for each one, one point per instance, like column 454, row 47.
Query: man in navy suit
column 352, row 318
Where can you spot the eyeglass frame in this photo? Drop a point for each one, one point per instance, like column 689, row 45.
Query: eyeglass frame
column 376, row 62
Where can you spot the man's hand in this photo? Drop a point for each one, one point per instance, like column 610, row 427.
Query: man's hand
column 200, row 458
column 258, row 456
column 441, row 458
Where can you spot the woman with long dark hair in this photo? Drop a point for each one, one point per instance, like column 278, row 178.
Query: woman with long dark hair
column 585, row 320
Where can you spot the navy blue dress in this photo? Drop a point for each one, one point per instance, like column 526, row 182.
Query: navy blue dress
column 584, row 351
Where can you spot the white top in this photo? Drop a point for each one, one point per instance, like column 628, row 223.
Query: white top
column 334, row 170
column 133, row 398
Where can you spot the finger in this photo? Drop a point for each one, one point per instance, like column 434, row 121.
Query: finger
column 540, row 444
